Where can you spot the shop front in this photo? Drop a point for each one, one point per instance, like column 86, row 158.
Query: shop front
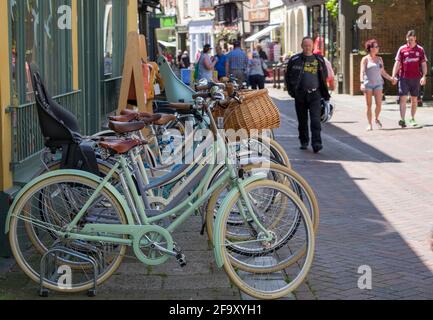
column 78, row 46
column 182, row 36
column 166, row 35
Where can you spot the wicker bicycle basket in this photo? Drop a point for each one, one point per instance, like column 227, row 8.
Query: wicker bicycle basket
column 256, row 111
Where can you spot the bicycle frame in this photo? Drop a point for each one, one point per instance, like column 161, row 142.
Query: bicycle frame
column 190, row 172
column 135, row 228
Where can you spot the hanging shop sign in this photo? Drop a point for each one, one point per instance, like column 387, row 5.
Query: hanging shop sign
column 259, row 11
column 168, row 22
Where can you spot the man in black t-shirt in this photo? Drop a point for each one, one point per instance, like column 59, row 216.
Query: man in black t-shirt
column 305, row 78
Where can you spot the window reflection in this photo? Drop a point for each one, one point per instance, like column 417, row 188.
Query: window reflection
column 108, row 37
column 36, row 39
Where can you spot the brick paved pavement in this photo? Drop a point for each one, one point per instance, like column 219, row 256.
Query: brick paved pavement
column 375, row 191
column 200, row 279
column 376, row 200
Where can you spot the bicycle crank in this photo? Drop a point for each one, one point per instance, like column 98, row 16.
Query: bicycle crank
column 153, row 245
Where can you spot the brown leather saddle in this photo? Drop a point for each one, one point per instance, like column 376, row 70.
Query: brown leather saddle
column 121, row 146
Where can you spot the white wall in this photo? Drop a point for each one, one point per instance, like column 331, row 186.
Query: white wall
column 296, row 28
column 192, row 12
column 197, row 38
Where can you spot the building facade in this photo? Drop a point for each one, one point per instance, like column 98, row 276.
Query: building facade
column 195, row 25
column 258, row 15
column 231, row 21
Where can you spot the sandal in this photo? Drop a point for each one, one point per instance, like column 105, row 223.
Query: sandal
column 379, row 124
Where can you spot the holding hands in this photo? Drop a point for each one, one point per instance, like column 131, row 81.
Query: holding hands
column 423, row 81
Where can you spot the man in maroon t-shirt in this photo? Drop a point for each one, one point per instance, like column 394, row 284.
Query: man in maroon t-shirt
column 411, row 69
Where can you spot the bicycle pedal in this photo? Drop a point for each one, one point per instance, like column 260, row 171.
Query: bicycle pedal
column 181, row 259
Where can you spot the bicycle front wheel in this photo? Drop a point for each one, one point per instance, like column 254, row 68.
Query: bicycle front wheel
column 275, row 172
column 268, row 250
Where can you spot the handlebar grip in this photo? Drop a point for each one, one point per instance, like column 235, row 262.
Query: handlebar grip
column 201, row 95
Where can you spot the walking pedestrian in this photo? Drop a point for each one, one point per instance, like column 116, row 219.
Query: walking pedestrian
column 305, row 78
column 262, row 53
column 169, row 58
column 179, row 59
column 372, row 74
column 237, row 61
column 256, row 76
column 264, row 58
column 221, row 65
column 206, row 65
column 186, row 62
column 411, row 69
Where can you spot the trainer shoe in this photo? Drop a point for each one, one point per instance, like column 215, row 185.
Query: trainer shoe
column 413, row 123
column 402, row 123
column 379, row 124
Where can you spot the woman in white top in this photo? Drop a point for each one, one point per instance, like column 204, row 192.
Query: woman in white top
column 372, row 73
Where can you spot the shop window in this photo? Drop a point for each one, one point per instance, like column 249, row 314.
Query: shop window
column 233, row 9
column 113, row 28
column 227, row 13
column 39, row 36
column 186, row 9
column 220, row 14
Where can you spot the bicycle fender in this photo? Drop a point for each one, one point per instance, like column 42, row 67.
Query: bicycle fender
column 80, row 173
column 218, row 221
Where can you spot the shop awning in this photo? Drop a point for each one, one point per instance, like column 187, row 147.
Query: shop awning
column 167, row 44
column 262, row 33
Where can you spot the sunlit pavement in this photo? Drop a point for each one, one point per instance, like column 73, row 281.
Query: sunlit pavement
column 375, row 191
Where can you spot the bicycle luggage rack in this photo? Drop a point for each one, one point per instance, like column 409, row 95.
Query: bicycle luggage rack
column 43, row 292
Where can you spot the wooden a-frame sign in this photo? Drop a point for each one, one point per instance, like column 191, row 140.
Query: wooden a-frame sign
column 136, row 53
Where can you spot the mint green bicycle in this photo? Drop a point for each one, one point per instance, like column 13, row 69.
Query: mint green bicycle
column 87, row 214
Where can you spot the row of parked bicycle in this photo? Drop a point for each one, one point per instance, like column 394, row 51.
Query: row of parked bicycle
column 125, row 190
